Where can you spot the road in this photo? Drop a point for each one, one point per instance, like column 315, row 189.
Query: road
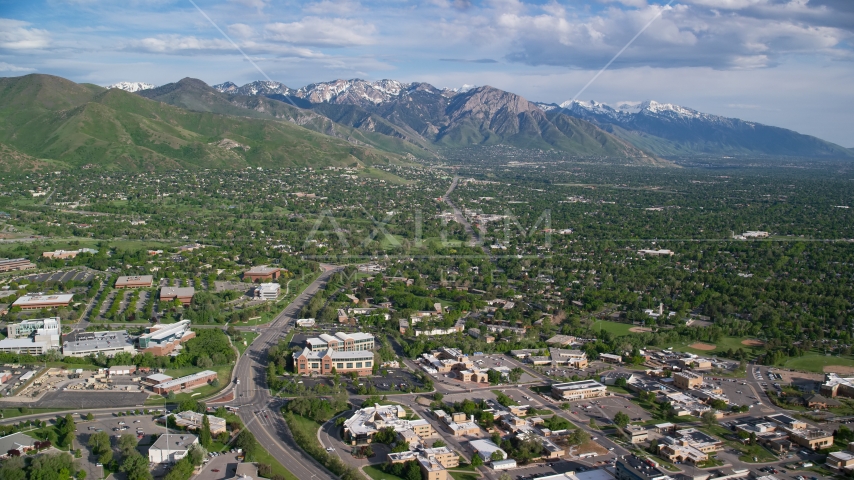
column 258, row 408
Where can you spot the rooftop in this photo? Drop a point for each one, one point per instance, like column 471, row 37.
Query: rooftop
column 86, row 341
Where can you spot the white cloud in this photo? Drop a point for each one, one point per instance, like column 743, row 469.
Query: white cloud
column 8, row 67
column 16, row 35
column 241, row 30
column 325, row 32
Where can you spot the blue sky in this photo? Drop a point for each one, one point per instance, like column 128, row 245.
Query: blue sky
column 788, row 63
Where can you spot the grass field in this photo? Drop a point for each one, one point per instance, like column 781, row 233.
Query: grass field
column 615, row 328
column 249, row 337
column 815, row 362
column 724, row 344
column 378, row 474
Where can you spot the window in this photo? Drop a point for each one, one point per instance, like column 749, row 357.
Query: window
column 367, row 364
column 339, row 365
column 315, row 365
column 349, row 364
column 358, row 364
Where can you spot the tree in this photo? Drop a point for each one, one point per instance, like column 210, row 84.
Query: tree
column 505, row 476
column 593, row 423
column 135, row 466
column 99, row 442
column 621, row 419
column 205, row 435
column 578, row 436
column 709, row 418
column 496, row 456
column 439, row 443
column 90, row 417
column 400, row 447
column 197, row 454
column 476, row 461
column 127, row 444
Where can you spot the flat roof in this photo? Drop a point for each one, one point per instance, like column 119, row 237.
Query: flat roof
column 579, row 385
column 177, row 291
column 21, row 343
column 188, row 378
column 263, row 269
column 173, row 441
column 27, row 300
column 135, row 279
column 97, row 341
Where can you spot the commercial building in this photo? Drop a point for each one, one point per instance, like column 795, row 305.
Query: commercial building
column 656, row 253
column 262, row 273
column 37, row 301
column 631, row 467
column 305, row 322
column 17, row 441
column 64, row 254
column 485, row 449
column 572, row 358
column 14, row 264
column 32, row 337
column 83, row 344
column 345, row 342
column 324, row 361
column 837, row 386
column 267, row 291
column 183, row 294
column 361, row 427
column 578, row 390
column 137, row 281
column 194, row 421
column 802, row 433
column 188, row 382
column 689, row 446
column 164, row 339
column 169, row 448
column 687, row 380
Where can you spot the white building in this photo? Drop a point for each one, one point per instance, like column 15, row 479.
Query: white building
column 267, row 291
column 169, row 448
column 485, row 448
column 32, row 337
column 305, row 322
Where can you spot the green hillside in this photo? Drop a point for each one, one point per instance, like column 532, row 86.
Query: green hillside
column 52, row 118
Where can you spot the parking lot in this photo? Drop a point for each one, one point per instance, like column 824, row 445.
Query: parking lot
column 219, row 467
column 608, row 408
column 556, row 467
column 60, row 277
column 109, row 424
column 737, row 391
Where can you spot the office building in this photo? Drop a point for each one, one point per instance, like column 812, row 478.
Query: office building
column 164, row 339
column 169, row 448
column 578, row 390
column 183, row 294
column 324, row 361
column 32, row 337
column 14, row 264
column 38, row 301
column 267, row 291
column 137, row 281
column 346, row 342
column 83, row 344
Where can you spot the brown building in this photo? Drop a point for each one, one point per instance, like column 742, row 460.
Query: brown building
column 687, row 380
column 184, row 294
column 185, row 383
column 36, row 302
column 262, row 273
column 324, row 361
column 12, row 264
column 137, row 281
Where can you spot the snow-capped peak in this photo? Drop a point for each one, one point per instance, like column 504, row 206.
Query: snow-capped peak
column 465, row 88
column 353, row 91
column 226, row 87
column 132, row 86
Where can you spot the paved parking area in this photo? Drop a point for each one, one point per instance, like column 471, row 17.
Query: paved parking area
column 609, row 406
column 737, row 393
column 219, row 467
column 93, row 399
column 60, row 277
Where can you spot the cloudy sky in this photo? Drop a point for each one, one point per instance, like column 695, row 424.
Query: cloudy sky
column 788, row 63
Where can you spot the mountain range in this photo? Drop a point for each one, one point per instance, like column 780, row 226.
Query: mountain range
column 47, row 121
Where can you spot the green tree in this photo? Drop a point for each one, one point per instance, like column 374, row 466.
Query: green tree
column 439, row 443
column 90, row 417
column 621, row 419
column 709, row 418
column 205, row 435
column 127, row 444
column 476, row 461
column 497, row 455
column 400, row 447
column 135, row 466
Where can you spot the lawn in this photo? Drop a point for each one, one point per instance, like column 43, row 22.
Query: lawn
column 249, row 337
column 263, row 456
column 378, row 474
column 464, row 476
column 815, row 362
column 223, row 373
column 615, row 328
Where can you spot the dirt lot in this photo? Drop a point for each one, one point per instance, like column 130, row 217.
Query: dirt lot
column 640, row 329
column 752, row 342
column 838, row 369
column 702, row 346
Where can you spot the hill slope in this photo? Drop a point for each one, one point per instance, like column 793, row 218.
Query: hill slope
column 53, row 118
